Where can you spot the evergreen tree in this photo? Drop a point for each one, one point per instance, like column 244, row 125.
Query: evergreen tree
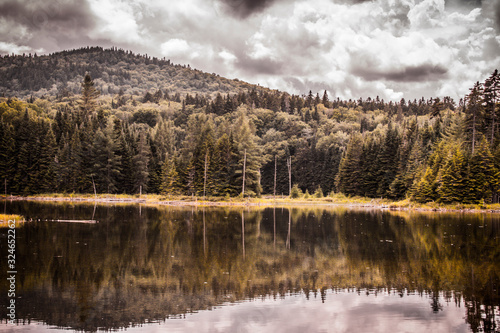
column 491, row 98
column 247, row 142
column 484, row 177
column 349, row 178
column 202, row 159
column 227, row 161
column 7, row 154
column 170, row 183
column 105, row 164
column 141, row 163
column 424, row 189
column 325, row 100
column 368, row 165
column 454, row 178
column 388, row 161
column 89, row 95
column 47, row 163
column 190, row 178
column 474, row 112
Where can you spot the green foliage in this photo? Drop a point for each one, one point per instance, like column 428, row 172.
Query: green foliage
column 170, row 183
column 318, row 193
column 454, row 180
column 296, row 192
column 196, row 132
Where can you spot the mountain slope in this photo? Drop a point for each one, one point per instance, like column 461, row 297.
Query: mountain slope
column 112, row 69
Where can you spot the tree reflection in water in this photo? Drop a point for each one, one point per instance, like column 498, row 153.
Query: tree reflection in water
column 146, row 264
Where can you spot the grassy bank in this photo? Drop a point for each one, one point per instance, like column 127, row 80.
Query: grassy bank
column 269, row 200
column 5, row 218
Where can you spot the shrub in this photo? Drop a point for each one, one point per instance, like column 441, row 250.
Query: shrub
column 296, row 192
column 318, row 193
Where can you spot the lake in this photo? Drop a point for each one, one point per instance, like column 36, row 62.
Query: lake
column 217, row 269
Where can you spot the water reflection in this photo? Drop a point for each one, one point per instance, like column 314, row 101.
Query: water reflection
column 140, row 265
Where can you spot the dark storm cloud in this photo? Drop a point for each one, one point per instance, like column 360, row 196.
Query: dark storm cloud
column 60, row 13
column 245, row 8
column 259, row 66
column 497, row 14
column 421, row 73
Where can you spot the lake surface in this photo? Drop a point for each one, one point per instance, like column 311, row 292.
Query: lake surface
column 321, row 269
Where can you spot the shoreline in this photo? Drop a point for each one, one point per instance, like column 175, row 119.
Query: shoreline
column 261, row 202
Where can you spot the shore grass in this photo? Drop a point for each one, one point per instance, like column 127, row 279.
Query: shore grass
column 265, row 200
column 5, row 218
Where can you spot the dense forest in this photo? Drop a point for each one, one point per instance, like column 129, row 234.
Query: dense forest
column 194, row 133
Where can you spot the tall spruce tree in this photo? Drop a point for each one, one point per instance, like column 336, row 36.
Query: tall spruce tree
column 484, row 177
column 141, row 165
column 246, row 140
column 105, row 164
column 47, row 162
column 88, row 102
column 170, row 183
column 349, row 178
column 7, row 155
column 474, row 112
column 454, row 178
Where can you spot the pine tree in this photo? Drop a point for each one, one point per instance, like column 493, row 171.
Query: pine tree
column 424, row 189
column 26, row 148
column 484, row 176
column 325, row 100
column 47, row 163
column 202, row 157
column 141, row 165
column 227, row 160
column 369, row 168
column 7, row 154
column 89, row 95
column 454, row 178
column 190, row 178
column 388, row 161
column 349, row 176
column 474, row 112
column 105, row 164
column 170, row 183
column 491, row 98
column 247, row 141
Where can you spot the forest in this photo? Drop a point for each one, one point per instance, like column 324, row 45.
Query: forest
column 197, row 134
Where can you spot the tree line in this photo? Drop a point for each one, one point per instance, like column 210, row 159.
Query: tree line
column 426, row 150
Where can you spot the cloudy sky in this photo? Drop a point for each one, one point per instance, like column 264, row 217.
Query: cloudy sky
column 352, row 48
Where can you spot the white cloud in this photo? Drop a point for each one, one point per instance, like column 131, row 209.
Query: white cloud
column 390, row 48
column 8, row 48
column 118, row 21
column 175, row 47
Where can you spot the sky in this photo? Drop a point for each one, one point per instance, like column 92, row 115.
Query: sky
column 352, row 48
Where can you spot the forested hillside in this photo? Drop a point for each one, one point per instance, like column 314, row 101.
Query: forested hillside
column 60, row 74
column 138, row 134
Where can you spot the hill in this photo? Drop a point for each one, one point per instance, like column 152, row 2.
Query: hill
column 139, row 124
column 112, row 70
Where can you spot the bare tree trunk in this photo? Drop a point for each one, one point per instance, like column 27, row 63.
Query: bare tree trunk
column 205, row 177
column 289, row 164
column 93, row 183
column 275, row 168
column 244, row 171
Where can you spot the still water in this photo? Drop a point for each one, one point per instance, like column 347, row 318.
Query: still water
column 322, row 269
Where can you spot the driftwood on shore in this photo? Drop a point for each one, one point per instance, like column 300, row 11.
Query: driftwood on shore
column 75, row 221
